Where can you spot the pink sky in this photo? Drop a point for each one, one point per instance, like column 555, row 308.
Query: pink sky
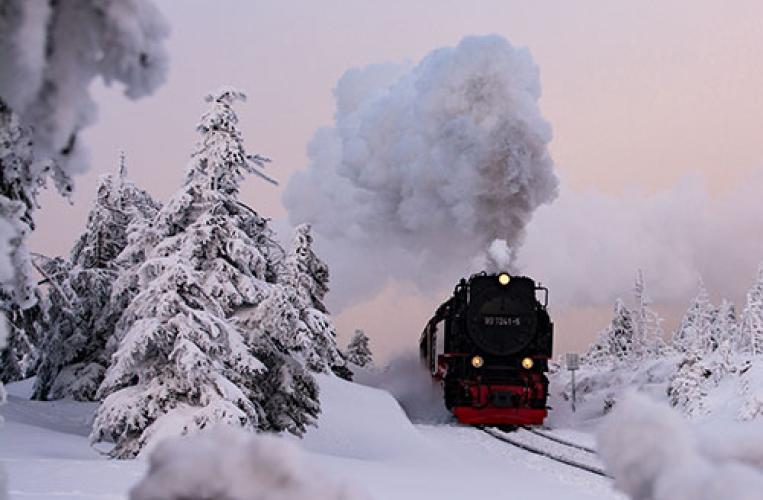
column 639, row 94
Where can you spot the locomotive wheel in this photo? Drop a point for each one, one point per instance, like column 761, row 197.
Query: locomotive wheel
column 507, row 428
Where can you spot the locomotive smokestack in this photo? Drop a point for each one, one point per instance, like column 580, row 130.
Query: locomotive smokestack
column 426, row 166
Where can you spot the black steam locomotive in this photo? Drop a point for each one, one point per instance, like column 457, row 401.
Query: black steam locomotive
column 489, row 344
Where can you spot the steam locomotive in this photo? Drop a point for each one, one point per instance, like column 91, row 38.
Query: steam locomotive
column 489, row 345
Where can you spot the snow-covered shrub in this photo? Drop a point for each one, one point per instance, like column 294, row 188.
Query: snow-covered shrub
column 81, row 315
column 226, row 464
column 654, row 455
column 358, row 352
column 181, row 361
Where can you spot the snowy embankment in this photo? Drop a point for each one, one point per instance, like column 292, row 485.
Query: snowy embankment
column 45, row 451
column 654, row 452
column 364, row 442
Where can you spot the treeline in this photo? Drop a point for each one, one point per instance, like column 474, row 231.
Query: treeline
column 181, row 314
column 710, row 343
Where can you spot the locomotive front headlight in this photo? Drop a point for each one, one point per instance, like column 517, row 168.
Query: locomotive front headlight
column 527, row 363
column 504, row 279
column 477, row 361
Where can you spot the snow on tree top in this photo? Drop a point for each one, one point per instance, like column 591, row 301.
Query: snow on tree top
column 226, row 94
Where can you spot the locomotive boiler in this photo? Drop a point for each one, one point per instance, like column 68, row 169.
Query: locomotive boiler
column 489, row 345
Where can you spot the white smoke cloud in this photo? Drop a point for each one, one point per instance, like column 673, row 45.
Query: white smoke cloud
column 654, row 454
column 426, row 166
column 587, row 246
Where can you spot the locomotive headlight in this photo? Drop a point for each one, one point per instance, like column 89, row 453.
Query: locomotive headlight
column 477, row 361
column 504, row 279
column 527, row 363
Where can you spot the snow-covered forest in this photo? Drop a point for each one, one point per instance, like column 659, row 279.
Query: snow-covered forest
column 712, row 349
column 709, row 371
column 180, row 315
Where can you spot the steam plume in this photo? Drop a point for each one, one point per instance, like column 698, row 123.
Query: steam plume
column 426, row 166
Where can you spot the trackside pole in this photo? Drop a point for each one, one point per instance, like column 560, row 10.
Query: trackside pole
column 572, row 360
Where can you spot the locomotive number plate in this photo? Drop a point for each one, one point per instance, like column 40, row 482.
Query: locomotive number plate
column 502, row 320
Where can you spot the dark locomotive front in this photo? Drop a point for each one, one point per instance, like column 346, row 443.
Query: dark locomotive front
column 490, row 344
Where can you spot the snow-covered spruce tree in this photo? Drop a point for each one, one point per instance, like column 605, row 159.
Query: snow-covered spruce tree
column 647, row 329
column 304, row 283
column 358, row 352
column 621, row 332
column 615, row 343
column 694, row 332
column 599, row 354
column 181, row 362
column 688, row 386
column 22, row 176
column 725, row 328
column 751, row 334
column 81, row 318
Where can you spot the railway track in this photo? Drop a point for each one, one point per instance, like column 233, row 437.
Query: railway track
column 518, row 440
column 559, row 440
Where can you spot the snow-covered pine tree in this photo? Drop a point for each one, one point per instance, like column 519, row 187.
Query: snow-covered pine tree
column 688, row 386
column 599, row 354
column 614, row 344
column 725, row 327
column 181, row 362
column 358, row 351
column 81, row 318
column 752, row 318
column 621, row 332
column 22, row 176
column 305, row 283
column 694, row 332
column 647, row 328
column 304, row 271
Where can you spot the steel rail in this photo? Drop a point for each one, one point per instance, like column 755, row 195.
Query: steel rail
column 537, row 451
column 559, row 440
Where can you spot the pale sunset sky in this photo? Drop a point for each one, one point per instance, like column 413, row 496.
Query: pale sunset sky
column 640, row 95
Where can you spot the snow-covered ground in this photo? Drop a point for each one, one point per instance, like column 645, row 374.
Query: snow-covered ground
column 45, row 450
column 364, row 440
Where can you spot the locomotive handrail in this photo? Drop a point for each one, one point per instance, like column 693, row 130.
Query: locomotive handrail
column 545, row 298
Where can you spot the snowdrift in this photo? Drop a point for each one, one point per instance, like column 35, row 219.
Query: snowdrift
column 654, row 455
